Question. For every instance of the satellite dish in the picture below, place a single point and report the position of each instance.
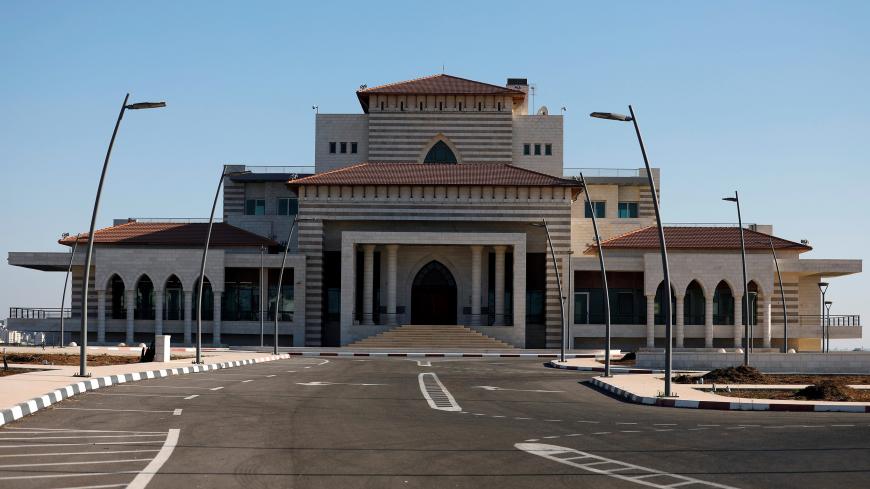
(543, 110)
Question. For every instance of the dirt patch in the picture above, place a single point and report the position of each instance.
(823, 391)
(750, 375)
(65, 359)
(13, 371)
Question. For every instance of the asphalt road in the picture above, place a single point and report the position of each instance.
(353, 423)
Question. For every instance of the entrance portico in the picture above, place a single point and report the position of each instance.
(424, 273)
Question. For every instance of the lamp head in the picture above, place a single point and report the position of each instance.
(64, 235)
(146, 105)
(730, 199)
(823, 286)
(611, 116)
(828, 303)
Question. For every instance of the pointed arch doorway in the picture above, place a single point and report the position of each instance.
(433, 295)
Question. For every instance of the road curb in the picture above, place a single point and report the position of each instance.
(434, 355)
(29, 407)
(725, 405)
(618, 370)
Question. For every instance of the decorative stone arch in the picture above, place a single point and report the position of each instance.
(759, 289)
(108, 283)
(411, 274)
(145, 307)
(704, 287)
(440, 137)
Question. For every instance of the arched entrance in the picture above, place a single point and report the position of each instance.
(433, 295)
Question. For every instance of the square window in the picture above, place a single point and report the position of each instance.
(353, 148)
(548, 149)
(537, 150)
(332, 147)
(527, 149)
(600, 208)
(627, 210)
(255, 207)
(288, 206)
(344, 148)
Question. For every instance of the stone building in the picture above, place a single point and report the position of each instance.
(426, 209)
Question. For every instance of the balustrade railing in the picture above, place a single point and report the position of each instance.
(39, 313)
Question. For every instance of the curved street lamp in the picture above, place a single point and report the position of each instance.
(746, 336)
(662, 247)
(83, 360)
(603, 278)
(543, 224)
(65, 281)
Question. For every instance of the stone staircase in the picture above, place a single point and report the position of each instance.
(414, 337)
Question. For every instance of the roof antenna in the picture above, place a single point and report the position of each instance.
(442, 68)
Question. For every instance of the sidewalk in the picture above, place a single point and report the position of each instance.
(21, 388)
(592, 364)
(647, 389)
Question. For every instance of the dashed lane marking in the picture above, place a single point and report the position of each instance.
(216, 388)
(270, 375)
(59, 454)
(612, 468)
(436, 394)
(114, 410)
(424, 363)
(192, 396)
(246, 381)
(176, 412)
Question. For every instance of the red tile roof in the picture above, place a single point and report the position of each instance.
(442, 85)
(698, 238)
(172, 234)
(486, 174)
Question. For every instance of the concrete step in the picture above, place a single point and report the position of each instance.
(425, 336)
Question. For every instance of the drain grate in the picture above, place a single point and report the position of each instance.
(436, 394)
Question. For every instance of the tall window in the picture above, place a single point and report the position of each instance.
(600, 208)
(382, 106)
(527, 149)
(440, 153)
(401, 105)
(332, 147)
(343, 148)
(460, 106)
(537, 150)
(440, 105)
(499, 106)
(353, 148)
(548, 149)
(421, 105)
(288, 206)
(627, 210)
(479, 106)
(255, 207)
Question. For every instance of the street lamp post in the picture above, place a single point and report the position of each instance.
(281, 278)
(782, 297)
(262, 319)
(662, 246)
(603, 278)
(199, 288)
(828, 305)
(823, 287)
(65, 281)
(544, 225)
(748, 339)
(83, 360)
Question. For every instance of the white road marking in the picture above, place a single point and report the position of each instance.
(143, 478)
(185, 387)
(424, 363)
(315, 383)
(78, 437)
(581, 421)
(87, 462)
(430, 385)
(711, 425)
(216, 388)
(102, 486)
(114, 410)
(83, 431)
(74, 474)
(131, 395)
(43, 445)
(664, 424)
(618, 422)
(587, 461)
(56, 454)
(841, 425)
(193, 396)
(553, 420)
(291, 371)
(601, 433)
(244, 381)
(266, 376)
(177, 412)
(494, 388)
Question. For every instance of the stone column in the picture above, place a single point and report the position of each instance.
(767, 321)
(368, 283)
(158, 312)
(681, 320)
(476, 261)
(392, 259)
(188, 310)
(131, 308)
(738, 321)
(101, 316)
(216, 321)
(499, 285)
(708, 321)
(651, 321)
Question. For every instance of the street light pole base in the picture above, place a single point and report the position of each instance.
(84, 376)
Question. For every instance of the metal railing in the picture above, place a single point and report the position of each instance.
(39, 313)
(832, 320)
(602, 172)
(746, 225)
(281, 169)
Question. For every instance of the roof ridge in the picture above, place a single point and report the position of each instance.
(384, 85)
(330, 172)
(437, 75)
(628, 233)
(529, 170)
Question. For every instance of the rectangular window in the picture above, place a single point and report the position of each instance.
(288, 206)
(581, 308)
(332, 147)
(255, 207)
(537, 150)
(527, 149)
(353, 148)
(548, 149)
(627, 210)
(344, 148)
(599, 210)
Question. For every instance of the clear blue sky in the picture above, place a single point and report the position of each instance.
(770, 98)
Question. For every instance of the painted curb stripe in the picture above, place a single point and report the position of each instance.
(726, 406)
(29, 407)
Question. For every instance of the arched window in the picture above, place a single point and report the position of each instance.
(440, 153)
(659, 310)
(144, 308)
(723, 304)
(173, 299)
(695, 304)
(207, 300)
(753, 304)
(116, 292)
